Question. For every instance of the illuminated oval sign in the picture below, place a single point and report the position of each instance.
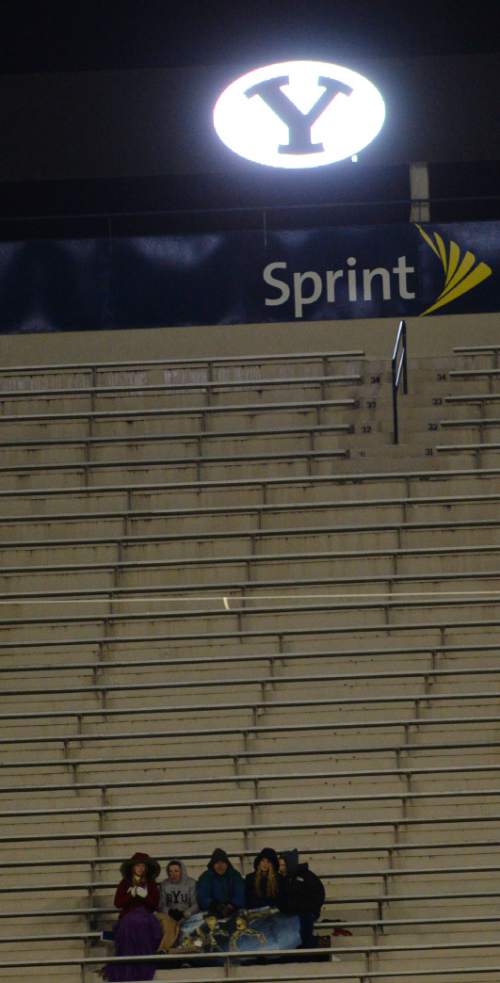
(299, 114)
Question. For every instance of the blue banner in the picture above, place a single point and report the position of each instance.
(249, 277)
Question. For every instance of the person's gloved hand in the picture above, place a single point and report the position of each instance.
(132, 890)
(142, 892)
(176, 914)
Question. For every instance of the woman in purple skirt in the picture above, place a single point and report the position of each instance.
(138, 932)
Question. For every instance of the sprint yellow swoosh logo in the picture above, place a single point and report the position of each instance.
(461, 273)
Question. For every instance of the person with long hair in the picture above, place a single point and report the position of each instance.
(138, 932)
(262, 886)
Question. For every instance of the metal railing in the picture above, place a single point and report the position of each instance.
(399, 370)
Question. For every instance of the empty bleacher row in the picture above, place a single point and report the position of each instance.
(231, 612)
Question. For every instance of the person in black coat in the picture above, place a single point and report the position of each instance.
(302, 894)
(263, 887)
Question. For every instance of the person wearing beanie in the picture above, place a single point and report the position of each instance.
(177, 902)
(302, 894)
(263, 887)
(221, 889)
(138, 931)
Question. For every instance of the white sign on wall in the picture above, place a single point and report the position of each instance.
(299, 114)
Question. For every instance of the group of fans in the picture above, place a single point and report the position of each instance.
(151, 915)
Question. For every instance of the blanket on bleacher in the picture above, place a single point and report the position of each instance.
(260, 929)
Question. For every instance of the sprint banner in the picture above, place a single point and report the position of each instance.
(250, 277)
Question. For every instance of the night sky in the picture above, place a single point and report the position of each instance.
(83, 35)
(42, 36)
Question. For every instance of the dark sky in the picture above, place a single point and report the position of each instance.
(86, 35)
(40, 36)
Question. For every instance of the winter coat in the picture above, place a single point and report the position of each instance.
(254, 900)
(126, 901)
(180, 895)
(262, 900)
(302, 889)
(220, 889)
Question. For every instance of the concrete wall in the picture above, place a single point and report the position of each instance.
(426, 337)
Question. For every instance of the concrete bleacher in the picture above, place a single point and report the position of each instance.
(234, 613)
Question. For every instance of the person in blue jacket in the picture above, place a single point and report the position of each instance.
(221, 889)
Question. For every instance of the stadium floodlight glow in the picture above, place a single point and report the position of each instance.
(299, 114)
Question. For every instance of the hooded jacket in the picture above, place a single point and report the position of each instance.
(220, 889)
(252, 898)
(302, 890)
(180, 895)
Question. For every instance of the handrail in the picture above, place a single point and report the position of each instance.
(459, 448)
(473, 398)
(475, 349)
(473, 373)
(398, 369)
(485, 421)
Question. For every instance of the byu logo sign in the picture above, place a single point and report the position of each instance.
(299, 114)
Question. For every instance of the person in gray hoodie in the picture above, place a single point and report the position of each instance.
(177, 902)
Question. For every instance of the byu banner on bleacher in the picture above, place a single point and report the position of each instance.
(249, 277)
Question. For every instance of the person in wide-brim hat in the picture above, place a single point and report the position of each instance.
(152, 866)
(138, 932)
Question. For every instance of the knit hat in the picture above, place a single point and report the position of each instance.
(267, 854)
(152, 866)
